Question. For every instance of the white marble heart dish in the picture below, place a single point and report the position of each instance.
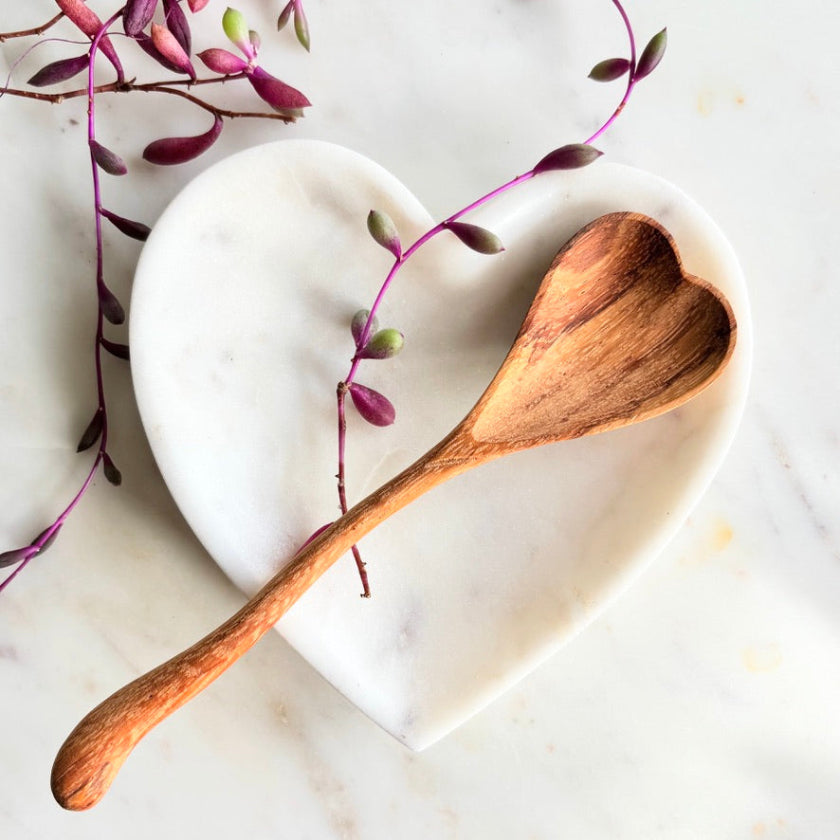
(239, 334)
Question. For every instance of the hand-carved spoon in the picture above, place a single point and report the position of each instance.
(617, 333)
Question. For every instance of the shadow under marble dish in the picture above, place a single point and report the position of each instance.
(239, 333)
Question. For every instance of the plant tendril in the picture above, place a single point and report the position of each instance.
(401, 258)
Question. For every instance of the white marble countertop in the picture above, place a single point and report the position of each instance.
(700, 705)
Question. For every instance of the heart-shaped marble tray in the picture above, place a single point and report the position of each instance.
(239, 333)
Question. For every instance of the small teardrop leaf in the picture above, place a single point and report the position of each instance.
(120, 351)
(476, 237)
(236, 27)
(169, 151)
(283, 19)
(113, 475)
(49, 540)
(92, 432)
(111, 307)
(651, 55)
(281, 97)
(301, 27)
(138, 15)
(107, 160)
(384, 344)
(169, 47)
(571, 156)
(382, 228)
(373, 406)
(609, 70)
(222, 61)
(60, 71)
(136, 230)
(357, 325)
(178, 24)
(16, 555)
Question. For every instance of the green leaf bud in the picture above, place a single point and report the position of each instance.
(478, 238)
(384, 231)
(384, 344)
(301, 27)
(236, 28)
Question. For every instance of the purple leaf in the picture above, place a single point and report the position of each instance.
(478, 238)
(17, 555)
(49, 540)
(138, 15)
(572, 156)
(373, 406)
(285, 14)
(178, 24)
(172, 150)
(88, 21)
(651, 55)
(280, 96)
(60, 71)
(121, 351)
(609, 70)
(110, 469)
(107, 160)
(167, 45)
(92, 432)
(111, 307)
(223, 61)
(136, 230)
(145, 43)
(357, 325)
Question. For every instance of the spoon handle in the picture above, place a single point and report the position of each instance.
(93, 753)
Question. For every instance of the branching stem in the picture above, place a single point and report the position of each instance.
(36, 30)
(172, 87)
(401, 260)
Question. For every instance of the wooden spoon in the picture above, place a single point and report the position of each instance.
(617, 333)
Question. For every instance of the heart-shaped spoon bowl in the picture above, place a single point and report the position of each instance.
(239, 333)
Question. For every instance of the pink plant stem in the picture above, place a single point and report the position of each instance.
(631, 75)
(100, 386)
(419, 243)
(100, 249)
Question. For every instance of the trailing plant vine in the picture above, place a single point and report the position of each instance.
(372, 343)
(161, 29)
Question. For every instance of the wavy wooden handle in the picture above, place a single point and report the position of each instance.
(93, 753)
(617, 333)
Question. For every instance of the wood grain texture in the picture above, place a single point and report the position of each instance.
(617, 333)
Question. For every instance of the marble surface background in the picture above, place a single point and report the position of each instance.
(701, 705)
